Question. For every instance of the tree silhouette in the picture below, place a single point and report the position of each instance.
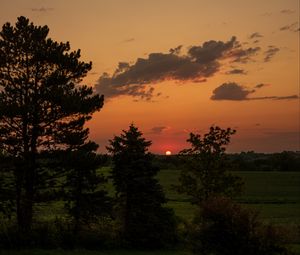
(206, 172)
(139, 196)
(85, 199)
(40, 102)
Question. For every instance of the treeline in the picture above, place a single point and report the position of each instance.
(244, 161)
(48, 165)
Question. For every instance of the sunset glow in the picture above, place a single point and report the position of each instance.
(173, 67)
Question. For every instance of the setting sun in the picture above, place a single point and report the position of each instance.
(168, 153)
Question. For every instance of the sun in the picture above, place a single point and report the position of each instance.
(168, 153)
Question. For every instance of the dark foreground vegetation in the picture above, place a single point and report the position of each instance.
(55, 192)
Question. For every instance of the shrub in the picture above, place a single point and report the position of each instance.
(223, 227)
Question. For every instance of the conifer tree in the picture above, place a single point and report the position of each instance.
(40, 101)
(145, 223)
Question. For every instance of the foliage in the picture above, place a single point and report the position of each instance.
(139, 196)
(86, 199)
(206, 172)
(251, 161)
(223, 227)
(41, 105)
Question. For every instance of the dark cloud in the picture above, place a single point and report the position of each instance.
(287, 11)
(275, 97)
(244, 56)
(261, 85)
(291, 27)
(270, 53)
(236, 71)
(235, 92)
(255, 35)
(198, 64)
(42, 9)
(158, 130)
(231, 91)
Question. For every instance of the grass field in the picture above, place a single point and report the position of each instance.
(275, 194)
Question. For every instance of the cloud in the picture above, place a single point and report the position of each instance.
(196, 65)
(42, 9)
(287, 11)
(128, 40)
(231, 91)
(275, 97)
(235, 92)
(261, 85)
(244, 56)
(255, 35)
(291, 27)
(270, 53)
(236, 71)
(158, 130)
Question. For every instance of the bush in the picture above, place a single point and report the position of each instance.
(223, 227)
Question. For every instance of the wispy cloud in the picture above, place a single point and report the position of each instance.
(236, 71)
(234, 92)
(270, 53)
(129, 40)
(255, 35)
(287, 11)
(42, 9)
(293, 27)
(196, 65)
(158, 129)
(261, 85)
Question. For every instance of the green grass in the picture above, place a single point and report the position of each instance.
(276, 195)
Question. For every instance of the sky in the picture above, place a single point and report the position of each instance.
(173, 67)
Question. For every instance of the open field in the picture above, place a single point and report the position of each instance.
(275, 194)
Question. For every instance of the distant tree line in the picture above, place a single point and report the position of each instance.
(48, 164)
(244, 161)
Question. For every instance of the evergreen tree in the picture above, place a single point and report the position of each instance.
(40, 102)
(85, 199)
(139, 196)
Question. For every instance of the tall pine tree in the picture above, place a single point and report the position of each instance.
(40, 101)
(145, 223)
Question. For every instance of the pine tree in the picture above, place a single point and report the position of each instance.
(40, 101)
(84, 193)
(139, 196)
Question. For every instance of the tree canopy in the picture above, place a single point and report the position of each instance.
(43, 107)
(206, 173)
(139, 196)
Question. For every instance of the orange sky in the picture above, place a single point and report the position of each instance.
(265, 54)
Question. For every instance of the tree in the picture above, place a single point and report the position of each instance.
(139, 196)
(206, 172)
(41, 102)
(85, 200)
